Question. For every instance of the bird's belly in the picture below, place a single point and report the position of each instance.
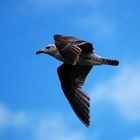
(85, 60)
(90, 60)
(82, 61)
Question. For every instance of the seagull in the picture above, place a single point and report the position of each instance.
(78, 57)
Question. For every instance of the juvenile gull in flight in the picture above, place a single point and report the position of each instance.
(79, 58)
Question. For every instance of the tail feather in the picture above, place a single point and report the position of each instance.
(100, 60)
(110, 62)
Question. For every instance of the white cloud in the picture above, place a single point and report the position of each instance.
(39, 125)
(11, 119)
(55, 128)
(123, 91)
(136, 138)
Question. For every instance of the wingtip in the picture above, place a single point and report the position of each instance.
(85, 122)
(87, 125)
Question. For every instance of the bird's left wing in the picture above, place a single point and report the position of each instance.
(72, 78)
(82, 44)
(69, 51)
(71, 47)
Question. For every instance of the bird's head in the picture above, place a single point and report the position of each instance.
(49, 49)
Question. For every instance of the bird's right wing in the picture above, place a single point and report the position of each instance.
(72, 78)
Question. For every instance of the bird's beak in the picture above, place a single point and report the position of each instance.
(39, 52)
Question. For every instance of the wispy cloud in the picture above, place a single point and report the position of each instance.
(55, 128)
(39, 125)
(123, 91)
(136, 138)
(12, 119)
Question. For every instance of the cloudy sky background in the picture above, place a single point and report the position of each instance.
(32, 104)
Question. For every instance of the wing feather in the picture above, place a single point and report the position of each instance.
(72, 78)
(71, 47)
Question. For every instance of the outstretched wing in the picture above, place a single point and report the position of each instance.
(70, 47)
(72, 78)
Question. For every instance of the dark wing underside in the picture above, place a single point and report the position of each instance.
(70, 47)
(72, 78)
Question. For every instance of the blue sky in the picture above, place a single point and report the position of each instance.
(32, 104)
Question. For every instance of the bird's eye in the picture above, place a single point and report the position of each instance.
(48, 47)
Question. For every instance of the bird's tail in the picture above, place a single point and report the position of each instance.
(101, 60)
(110, 62)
